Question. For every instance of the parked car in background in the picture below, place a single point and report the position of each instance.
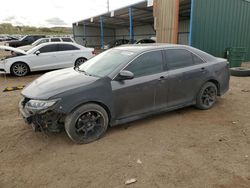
(7, 38)
(115, 43)
(46, 56)
(145, 41)
(28, 39)
(43, 40)
(123, 84)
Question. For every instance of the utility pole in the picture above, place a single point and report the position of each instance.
(108, 5)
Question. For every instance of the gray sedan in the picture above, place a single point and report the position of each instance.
(123, 84)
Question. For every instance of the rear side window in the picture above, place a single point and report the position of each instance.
(49, 48)
(146, 64)
(67, 40)
(179, 58)
(67, 47)
(55, 40)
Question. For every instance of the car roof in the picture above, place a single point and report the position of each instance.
(51, 43)
(139, 48)
(145, 47)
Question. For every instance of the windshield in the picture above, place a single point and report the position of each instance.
(39, 41)
(23, 38)
(106, 62)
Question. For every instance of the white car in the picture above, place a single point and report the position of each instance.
(46, 56)
(44, 40)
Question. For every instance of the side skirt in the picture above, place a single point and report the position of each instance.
(141, 116)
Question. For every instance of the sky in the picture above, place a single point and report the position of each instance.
(50, 13)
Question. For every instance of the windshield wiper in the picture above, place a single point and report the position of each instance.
(83, 71)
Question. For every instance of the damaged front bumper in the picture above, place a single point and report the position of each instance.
(44, 120)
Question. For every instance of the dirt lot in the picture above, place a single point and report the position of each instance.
(184, 148)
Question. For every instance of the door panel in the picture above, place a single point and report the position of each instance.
(43, 61)
(187, 73)
(144, 93)
(139, 95)
(184, 85)
(65, 59)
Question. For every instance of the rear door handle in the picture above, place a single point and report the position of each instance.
(162, 78)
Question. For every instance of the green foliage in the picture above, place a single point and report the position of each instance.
(6, 28)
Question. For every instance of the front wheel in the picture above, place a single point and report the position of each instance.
(19, 69)
(206, 96)
(87, 123)
(80, 61)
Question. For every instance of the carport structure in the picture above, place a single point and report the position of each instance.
(212, 26)
(126, 23)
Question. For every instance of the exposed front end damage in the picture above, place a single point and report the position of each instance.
(47, 120)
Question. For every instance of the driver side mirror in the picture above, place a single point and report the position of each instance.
(125, 75)
(37, 52)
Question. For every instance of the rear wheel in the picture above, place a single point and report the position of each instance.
(80, 61)
(87, 123)
(206, 96)
(19, 69)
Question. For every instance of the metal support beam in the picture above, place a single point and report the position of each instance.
(102, 33)
(131, 33)
(73, 30)
(84, 34)
(191, 23)
(84, 29)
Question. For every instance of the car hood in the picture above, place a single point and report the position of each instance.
(13, 41)
(56, 82)
(13, 49)
(26, 47)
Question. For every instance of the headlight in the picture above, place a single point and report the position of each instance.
(40, 105)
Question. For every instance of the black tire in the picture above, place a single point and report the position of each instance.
(240, 71)
(87, 123)
(19, 69)
(206, 97)
(80, 61)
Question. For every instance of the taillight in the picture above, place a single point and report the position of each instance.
(93, 52)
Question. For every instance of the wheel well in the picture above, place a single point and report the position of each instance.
(20, 62)
(80, 58)
(98, 103)
(217, 85)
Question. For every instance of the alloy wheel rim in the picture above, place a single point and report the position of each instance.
(20, 69)
(209, 96)
(90, 124)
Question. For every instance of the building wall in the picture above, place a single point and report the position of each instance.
(140, 32)
(92, 35)
(183, 32)
(219, 24)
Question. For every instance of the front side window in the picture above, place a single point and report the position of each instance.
(180, 58)
(49, 48)
(146, 64)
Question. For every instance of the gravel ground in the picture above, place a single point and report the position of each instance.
(183, 148)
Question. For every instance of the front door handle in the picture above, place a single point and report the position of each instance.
(202, 69)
